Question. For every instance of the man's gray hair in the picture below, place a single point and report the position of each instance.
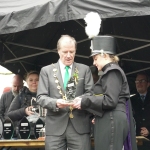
(62, 38)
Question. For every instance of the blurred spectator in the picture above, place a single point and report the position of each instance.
(21, 105)
(7, 97)
(141, 108)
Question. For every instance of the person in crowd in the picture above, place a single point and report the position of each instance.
(7, 97)
(21, 105)
(94, 71)
(111, 94)
(141, 107)
(65, 127)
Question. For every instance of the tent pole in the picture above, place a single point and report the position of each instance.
(25, 63)
(129, 38)
(79, 23)
(39, 48)
(28, 46)
(28, 56)
(138, 71)
(14, 55)
(134, 60)
(132, 50)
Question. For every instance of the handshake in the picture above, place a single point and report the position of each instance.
(76, 103)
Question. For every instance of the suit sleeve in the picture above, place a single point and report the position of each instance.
(15, 112)
(88, 82)
(43, 98)
(111, 86)
(2, 109)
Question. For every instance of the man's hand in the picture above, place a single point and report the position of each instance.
(144, 132)
(28, 111)
(62, 103)
(77, 103)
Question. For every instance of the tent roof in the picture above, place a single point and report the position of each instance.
(19, 15)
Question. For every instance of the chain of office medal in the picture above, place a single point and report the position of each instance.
(60, 89)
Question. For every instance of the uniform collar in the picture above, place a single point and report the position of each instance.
(108, 65)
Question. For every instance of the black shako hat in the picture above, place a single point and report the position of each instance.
(103, 44)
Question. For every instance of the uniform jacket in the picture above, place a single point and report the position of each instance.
(141, 112)
(5, 102)
(108, 97)
(17, 108)
(47, 95)
(111, 98)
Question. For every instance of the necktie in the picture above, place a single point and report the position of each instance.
(142, 98)
(66, 78)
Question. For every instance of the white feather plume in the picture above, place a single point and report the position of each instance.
(93, 22)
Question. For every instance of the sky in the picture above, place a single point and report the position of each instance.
(5, 78)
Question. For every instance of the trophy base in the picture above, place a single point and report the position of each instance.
(68, 101)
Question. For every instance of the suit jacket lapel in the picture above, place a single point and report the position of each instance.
(59, 76)
(73, 69)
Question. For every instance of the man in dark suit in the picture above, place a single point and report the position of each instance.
(141, 106)
(7, 97)
(65, 127)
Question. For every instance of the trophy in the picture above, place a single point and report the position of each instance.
(8, 129)
(42, 134)
(70, 90)
(24, 128)
(36, 127)
(70, 94)
(37, 109)
(36, 120)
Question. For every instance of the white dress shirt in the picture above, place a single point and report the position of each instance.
(63, 70)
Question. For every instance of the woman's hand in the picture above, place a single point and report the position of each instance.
(77, 103)
(29, 111)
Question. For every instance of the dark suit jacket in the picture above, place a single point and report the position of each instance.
(5, 102)
(141, 112)
(47, 95)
